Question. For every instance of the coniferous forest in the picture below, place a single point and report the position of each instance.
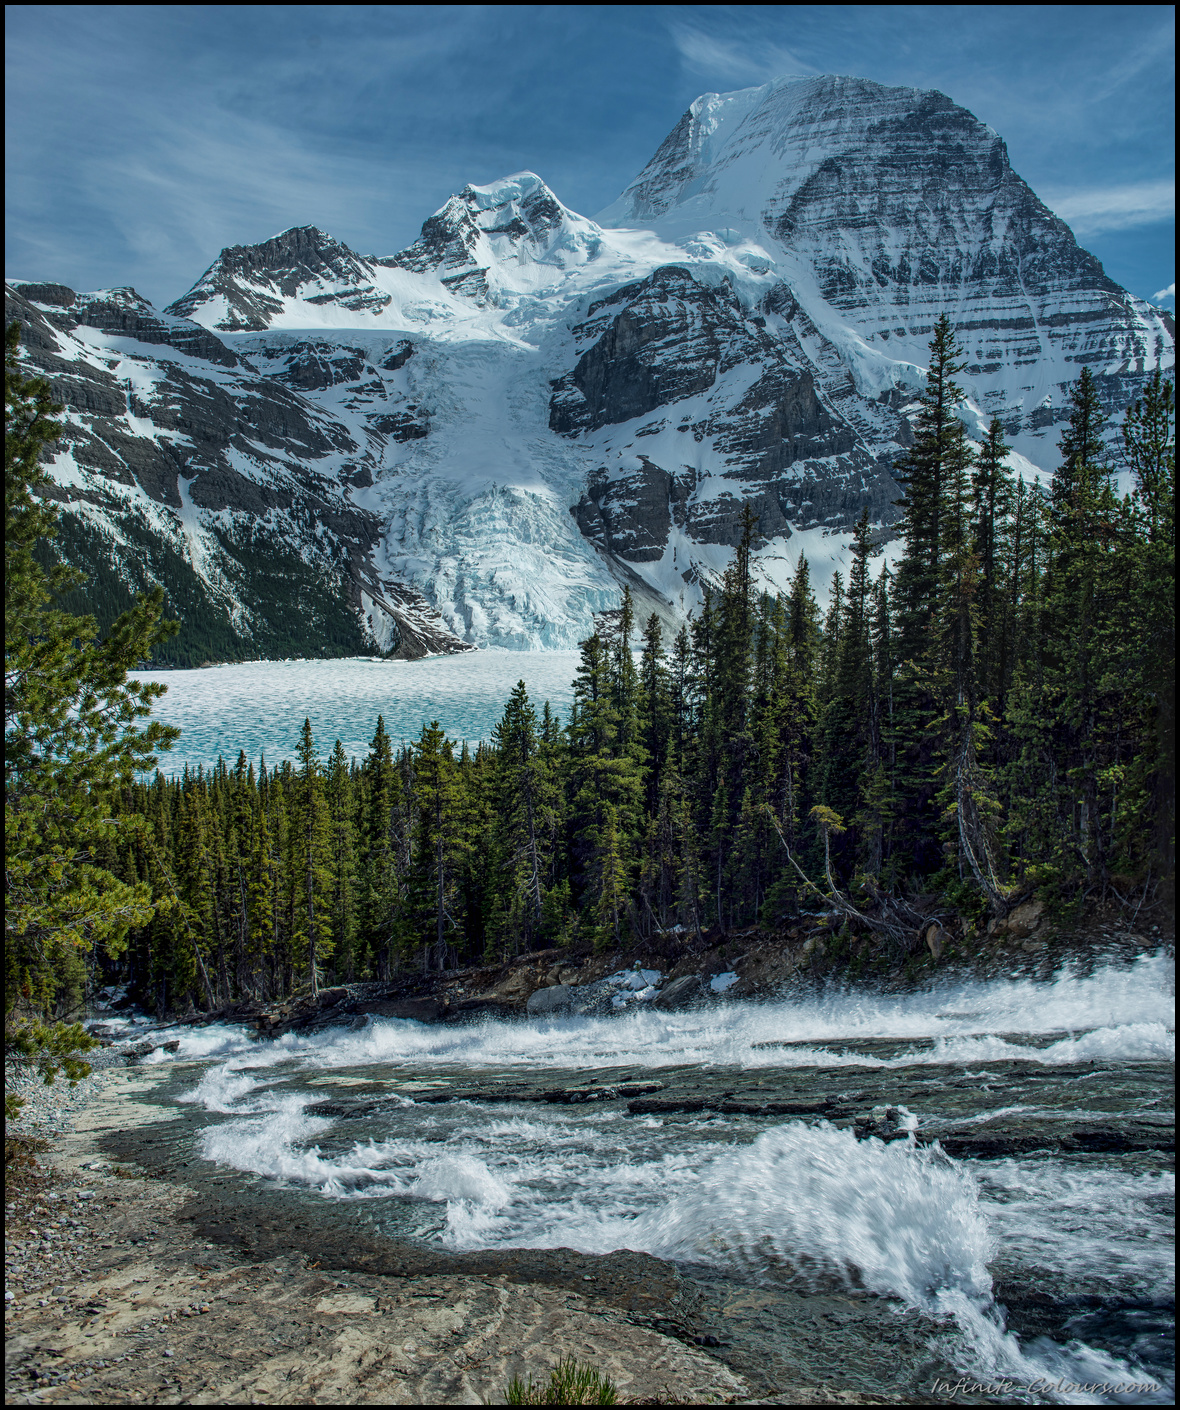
(990, 720)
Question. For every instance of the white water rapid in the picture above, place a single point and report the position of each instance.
(795, 1203)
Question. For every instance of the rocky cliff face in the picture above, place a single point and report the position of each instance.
(882, 208)
(179, 463)
(477, 439)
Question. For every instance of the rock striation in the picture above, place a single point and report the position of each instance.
(478, 439)
(180, 463)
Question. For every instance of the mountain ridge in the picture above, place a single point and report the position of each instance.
(525, 409)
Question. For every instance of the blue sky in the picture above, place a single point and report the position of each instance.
(141, 140)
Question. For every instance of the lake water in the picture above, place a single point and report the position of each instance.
(260, 706)
(1049, 1268)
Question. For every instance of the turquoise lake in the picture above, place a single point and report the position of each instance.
(260, 706)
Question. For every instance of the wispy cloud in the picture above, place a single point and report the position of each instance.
(171, 200)
(750, 59)
(1165, 296)
(1144, 54)
(1099, 209)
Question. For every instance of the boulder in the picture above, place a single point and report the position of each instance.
(1026, 918)
(1020, 923)
(550, 1000)
(680, 993)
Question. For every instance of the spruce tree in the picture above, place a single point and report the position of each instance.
(526, 815)
(923, 472)
(930, 633)
(992, 491)
(438, 843)
(1149, 450)
(378, 885)
(73, 726)
(342, 860)
(606, 792)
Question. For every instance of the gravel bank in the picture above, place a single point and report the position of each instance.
(113, 1297)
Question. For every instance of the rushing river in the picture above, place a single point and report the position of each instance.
(1050, 1266)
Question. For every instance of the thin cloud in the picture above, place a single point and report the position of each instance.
(731, 60)
(1154, 49)
(185, 191)
(1163, 295)
(1116, 207)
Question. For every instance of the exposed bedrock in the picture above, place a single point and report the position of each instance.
(791, 458)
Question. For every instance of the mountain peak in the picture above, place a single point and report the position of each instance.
(516, 220)
(735, 153)
(247, 286)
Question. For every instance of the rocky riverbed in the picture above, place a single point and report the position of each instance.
(829, 1195)
(129, 1283)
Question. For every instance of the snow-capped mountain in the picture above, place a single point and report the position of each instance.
(479, 439)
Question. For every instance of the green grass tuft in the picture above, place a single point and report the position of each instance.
(569, 1384)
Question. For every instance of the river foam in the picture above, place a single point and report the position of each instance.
(807, 1204)
(1115, 1013)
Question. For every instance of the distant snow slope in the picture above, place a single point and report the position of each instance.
(480, 438)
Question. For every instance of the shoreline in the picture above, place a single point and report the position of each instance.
(155, 1311)
(771, 965)
(156, 1275)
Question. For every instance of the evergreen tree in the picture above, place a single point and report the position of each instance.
(72, 728)
(438, 843)
(992, 489)
(342, 860)
(527, 799)
(378, 885)
(606, 790)
(1149, 448)
(923, 473)
(931, 634)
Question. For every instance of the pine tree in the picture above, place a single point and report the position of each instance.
(311, 876)
(72, 728)
(931, 633)
(656, 722)
(437, 844)
(923, 474)
(992, 491)
(1149, 449)
(847, 717)
(378, 866)
(526, 815)
(342, 860)
(606, 790)
(260, 894)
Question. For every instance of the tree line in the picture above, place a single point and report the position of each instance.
(993, 715)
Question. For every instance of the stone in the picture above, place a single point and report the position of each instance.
(688, 989)
(550, 1000)
(1025, 917)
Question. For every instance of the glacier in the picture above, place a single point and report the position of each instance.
(480, 439)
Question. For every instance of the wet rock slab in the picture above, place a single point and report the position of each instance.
(949, 1104)
(792, 1344)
